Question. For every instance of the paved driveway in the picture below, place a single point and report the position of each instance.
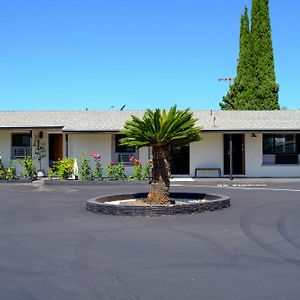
(51, 248)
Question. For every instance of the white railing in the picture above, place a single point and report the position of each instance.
(21, 152)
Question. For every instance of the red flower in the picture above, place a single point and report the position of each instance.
(131, 158)
(112, 163)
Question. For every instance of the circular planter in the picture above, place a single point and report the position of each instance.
(99, 205)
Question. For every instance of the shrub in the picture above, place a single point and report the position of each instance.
(2, 171)
(98, 172)
(63, 168)
(119, 171)
(85, 171)
(115, 171)
(11, 172)
(28, 167)
(110, 169)
(147, 170)
(137, 168)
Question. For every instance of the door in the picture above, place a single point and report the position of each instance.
(180, 160)
(55, 147)
(238, 154)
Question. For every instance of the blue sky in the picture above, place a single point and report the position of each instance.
(70, 54)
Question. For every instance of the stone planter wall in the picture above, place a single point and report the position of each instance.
(98, 205)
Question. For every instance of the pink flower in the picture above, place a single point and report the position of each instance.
(112, 163)
(137, 162)
(93, 153)
(131, 158)
(150, 161)
(98, 156)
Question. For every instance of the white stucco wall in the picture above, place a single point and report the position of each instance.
(5, 146)
(254, 161)
(208, 153)
(44, 141)
(144, 155)
(90, 142)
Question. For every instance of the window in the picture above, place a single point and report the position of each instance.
(123, 153)
(20, 145)
(284, 148)
(268, 144)
(279, 144)
(121, 148)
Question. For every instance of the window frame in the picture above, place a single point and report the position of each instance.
(24, 148)
(280, 156)
(274, 136)
(122, 149)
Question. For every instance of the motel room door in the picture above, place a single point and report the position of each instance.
(55, 147)
(180, 160)
(238, 154)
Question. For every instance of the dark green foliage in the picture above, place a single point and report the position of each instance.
(263, 58)
(158, 127)
(85, 171)
(241, 92)
(255, 86)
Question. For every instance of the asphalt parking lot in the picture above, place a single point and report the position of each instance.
(51, 248)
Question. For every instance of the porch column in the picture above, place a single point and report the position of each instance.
(30, 141)
(230, 157)
(67, 145)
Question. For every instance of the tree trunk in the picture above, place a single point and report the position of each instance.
(160, 186)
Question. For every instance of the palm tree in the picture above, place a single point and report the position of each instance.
(161, 130)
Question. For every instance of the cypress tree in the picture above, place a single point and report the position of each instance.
(266, 96)
(240, 92)
(254, 87)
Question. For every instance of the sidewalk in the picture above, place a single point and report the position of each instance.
(281, 183)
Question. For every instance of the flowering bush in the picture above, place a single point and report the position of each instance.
(115, 171)
(137, 168)
(63, 168)
(9, 173)
(147, 169)
(140, 173)
(98, 172)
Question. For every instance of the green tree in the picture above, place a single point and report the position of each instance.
(240, 92)
(255, 86)
(161, 130)
(266, 96)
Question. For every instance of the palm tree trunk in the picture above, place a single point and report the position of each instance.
(160, 186)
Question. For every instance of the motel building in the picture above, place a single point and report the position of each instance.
(250, 143)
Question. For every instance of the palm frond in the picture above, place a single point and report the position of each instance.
(172, 128)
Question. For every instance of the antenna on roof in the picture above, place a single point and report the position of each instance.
(122, 108)
(86, 108)
(112, 107)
